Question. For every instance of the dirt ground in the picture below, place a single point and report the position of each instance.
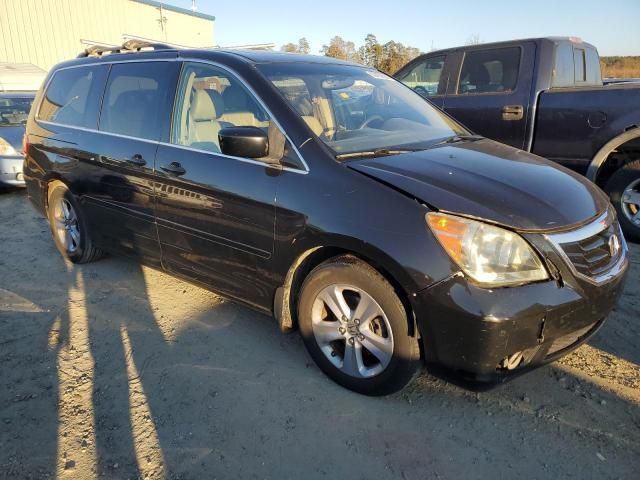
(117, 371)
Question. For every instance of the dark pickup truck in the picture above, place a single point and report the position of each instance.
(545, 96)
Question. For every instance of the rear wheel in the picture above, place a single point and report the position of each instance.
(624, 190)
(69, 227)
(355, 328)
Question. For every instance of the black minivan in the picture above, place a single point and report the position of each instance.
(331, 196)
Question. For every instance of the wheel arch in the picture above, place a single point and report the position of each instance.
(47, 184)
(599, 162)
(287, 294)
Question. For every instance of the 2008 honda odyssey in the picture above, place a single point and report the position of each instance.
(332, 196)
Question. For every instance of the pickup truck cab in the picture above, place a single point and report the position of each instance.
(545, 96)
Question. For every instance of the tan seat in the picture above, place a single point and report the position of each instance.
(240, 109)
(314, 124)
(203, 121)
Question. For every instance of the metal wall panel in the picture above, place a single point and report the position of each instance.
(45, 32)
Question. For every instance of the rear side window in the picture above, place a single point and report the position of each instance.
(137, 99)
(424, 77)
(490, 71)
(579, 59)
(73, 96)
(576, 66)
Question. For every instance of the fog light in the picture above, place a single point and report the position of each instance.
(20, 177)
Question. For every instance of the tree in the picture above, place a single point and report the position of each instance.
(395, 55)
(339, 48)
(473, 39)
(303, 46)
(371, 52)
(289, 47)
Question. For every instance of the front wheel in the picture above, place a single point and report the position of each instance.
(624, 190)
(355, 328)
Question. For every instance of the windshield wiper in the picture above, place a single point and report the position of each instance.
(380, 152)
(457, 139)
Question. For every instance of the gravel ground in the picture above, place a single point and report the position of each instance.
(118, 371)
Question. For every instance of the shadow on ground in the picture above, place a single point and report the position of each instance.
(119, 371)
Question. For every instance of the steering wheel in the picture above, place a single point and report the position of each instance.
(423, 92)
(369, 120)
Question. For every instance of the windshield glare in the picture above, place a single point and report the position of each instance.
(356, 109)
(14, 110)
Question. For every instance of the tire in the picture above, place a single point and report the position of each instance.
(340, 344)
(69, 227)
(622, 184)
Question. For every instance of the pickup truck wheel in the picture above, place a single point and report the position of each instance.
(624, 190)
(355, 328)
(69, 226)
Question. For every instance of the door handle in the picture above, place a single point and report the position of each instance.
(137, 159)
(512, 112)
(174, 168)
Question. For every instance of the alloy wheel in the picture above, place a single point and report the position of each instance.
(66, 225)
(352, 330)
(631, 202)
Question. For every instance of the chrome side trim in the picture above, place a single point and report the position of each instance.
(184, 147)
(601, 223)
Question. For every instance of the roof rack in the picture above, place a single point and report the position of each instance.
(132, 45)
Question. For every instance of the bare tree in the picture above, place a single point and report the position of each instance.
(473, 39)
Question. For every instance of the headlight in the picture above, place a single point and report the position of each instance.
(6, 148)
(492, 256)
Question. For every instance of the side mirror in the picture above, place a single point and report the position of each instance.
(247, 142)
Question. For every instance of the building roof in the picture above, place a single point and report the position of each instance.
(184, 11)
(20, 77)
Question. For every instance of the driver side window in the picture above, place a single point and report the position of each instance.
(210, 99)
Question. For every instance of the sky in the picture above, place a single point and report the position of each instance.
(612, 26)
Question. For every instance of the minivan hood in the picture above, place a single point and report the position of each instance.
(491, 181)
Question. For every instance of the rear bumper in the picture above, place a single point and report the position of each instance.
(471, 330)
(11, 171)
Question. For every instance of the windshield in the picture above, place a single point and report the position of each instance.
(355, 109)
(14, 110)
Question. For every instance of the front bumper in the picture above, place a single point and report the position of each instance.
(11, 171)
(471, 330)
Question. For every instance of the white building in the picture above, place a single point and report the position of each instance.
(45, 32)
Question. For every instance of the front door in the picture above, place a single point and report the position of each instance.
(492, 92)
(216, 213)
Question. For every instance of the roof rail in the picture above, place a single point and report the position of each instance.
(132, 45)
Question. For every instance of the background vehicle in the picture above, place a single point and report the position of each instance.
(544, 96)
(331, 195)
(18, 85)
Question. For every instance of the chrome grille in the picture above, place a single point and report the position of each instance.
(595, 251)
(595, 255)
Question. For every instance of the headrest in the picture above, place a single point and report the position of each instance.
(235, 99)
(303, 106)
(202, 108)
(479, 75)
(218, 102)
(378, 96)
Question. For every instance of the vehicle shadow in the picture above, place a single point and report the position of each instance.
(620, 333)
